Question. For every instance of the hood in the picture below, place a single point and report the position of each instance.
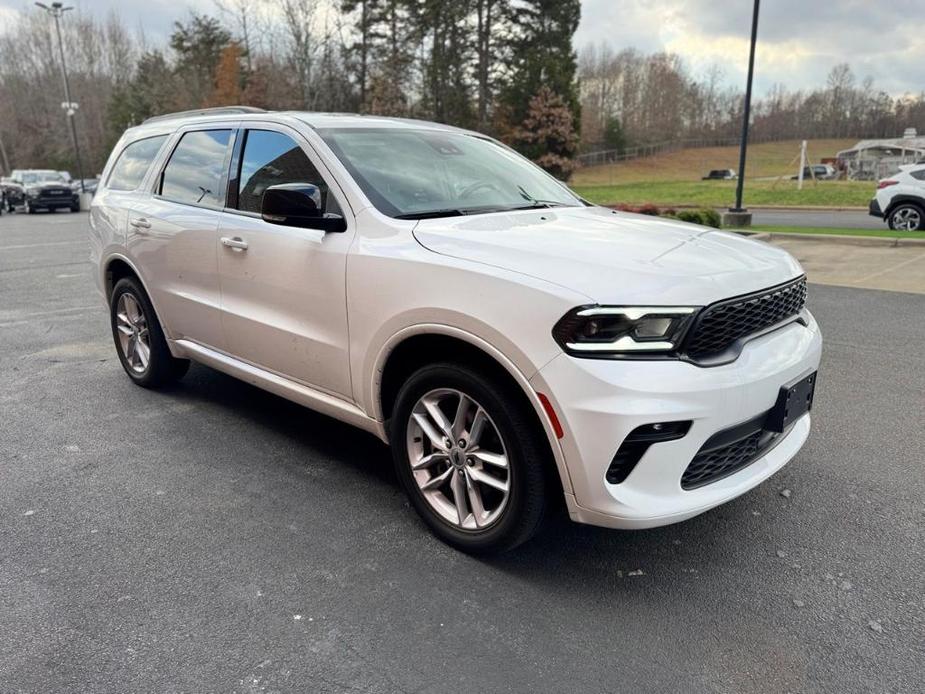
(614, 257)
(46, 185)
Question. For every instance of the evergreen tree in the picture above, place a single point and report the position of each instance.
(360, 53)
(614, 137)
(149, 93)
(542, 57)
(447, 84)
(381, 57)
(198, 46)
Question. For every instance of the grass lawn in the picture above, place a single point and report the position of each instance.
(722, 193)
(879, 233)
(767, 159)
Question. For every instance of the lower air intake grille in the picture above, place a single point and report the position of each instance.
(728, 452)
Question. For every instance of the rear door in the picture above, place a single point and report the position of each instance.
(173, 234)
(121, 191)
(283, 288)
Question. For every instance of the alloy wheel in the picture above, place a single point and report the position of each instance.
(907, 219)
(134, 338)
(458, 459)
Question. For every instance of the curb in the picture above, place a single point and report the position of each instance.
(834, 238)
(758, 208)
(805, 208)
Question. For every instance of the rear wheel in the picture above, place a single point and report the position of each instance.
(139, 340)
(907, 217)
(469, 458)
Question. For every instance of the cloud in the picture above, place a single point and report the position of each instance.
(799, 41)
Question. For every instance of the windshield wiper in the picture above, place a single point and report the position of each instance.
(431, 214)
(537, 205)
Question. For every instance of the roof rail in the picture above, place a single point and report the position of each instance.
(216, 111)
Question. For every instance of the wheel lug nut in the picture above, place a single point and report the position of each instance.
(462, 443)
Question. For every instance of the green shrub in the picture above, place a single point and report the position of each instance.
(692, 216)
(711, 218)
(704, 217)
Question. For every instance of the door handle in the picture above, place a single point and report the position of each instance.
(236, 243)
(140, 223)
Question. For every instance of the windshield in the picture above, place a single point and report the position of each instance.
(40, 176)
(412, 174)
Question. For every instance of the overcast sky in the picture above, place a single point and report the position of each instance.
(799, 40)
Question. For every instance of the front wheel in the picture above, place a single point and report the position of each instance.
(906, 217)
(139, 339)
(470, 458)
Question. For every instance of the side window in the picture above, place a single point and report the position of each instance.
(196, 168)
(270, 158)
(920, 174)
(133, 163)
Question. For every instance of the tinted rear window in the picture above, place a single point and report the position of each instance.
(196, 168)
(133, 163)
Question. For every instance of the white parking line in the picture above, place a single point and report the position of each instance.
(889, 269)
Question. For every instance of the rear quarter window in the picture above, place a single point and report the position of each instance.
(132, 165)
(919, 175)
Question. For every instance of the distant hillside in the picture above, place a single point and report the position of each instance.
(768, 159)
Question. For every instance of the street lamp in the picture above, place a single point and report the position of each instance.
(739, 215)
(57, 10)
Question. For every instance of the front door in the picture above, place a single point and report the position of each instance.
(282, 288)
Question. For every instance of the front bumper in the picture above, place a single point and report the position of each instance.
(599, 402)
(53, 201)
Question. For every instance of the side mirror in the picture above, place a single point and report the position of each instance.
(299, 205)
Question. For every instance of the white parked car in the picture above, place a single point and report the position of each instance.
(900, 199)
(820, 172)
(513, 343)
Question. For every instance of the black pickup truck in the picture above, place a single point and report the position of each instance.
(39, 189)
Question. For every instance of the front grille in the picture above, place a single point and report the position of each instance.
(720, 326)
(55, 193)
(728, 452)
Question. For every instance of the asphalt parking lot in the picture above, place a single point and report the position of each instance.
(216, 538)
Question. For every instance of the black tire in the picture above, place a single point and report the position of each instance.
(75, 208)
(907, 207)
(162, 368)
(526, 448)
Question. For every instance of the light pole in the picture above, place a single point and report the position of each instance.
(739, 215)
(56, 10)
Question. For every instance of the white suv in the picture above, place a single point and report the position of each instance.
(512, 342)
(900, 199)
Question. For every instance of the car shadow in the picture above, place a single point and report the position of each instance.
(597, 557)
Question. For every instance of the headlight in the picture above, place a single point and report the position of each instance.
(33, 191)
(619, 330)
